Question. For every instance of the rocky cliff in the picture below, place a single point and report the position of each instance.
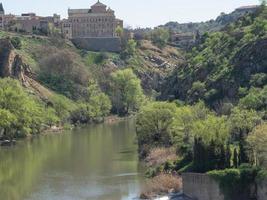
(12, 65)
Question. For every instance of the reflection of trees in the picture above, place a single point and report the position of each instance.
(21, 165)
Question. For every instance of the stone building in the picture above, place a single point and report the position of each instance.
(2, 13)
(28, 22)
(96, 22)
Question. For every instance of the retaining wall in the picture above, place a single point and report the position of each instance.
(262, 190)
(201, 187)
(98, 44)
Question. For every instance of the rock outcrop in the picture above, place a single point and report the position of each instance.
(12, 65)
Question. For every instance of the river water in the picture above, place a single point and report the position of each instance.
(99, 162)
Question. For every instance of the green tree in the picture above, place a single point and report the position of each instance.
(24, 110)
(154, 124)
(127, 94)
(242, 121)
(160, 37)
(257, 141)
(235, 159)
(131, 47)
(7, 121)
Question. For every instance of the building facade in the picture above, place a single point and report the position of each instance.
(2, 13)
(96, 22)
(28, 22)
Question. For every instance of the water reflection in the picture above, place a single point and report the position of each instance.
(98, 162)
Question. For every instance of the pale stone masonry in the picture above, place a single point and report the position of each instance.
(96, 22)
(28, 22)
(201, 187)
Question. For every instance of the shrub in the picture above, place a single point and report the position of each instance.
(161, 184)
(16, 42)
(236, 183)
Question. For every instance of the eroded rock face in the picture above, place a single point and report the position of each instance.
(11, 64)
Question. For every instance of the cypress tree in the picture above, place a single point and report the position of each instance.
(243, 157)
(236, 158)
(228, 156)
(222, 160)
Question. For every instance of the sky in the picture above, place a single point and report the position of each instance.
(135, 13)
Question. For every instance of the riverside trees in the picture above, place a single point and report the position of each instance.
(203, 140)
(126, 91)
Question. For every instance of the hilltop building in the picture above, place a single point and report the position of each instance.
(28, 22)
(98, 21)
(93, 29)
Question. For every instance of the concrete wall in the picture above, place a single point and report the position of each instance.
(262, 190)
(201, 187)
(98, 44)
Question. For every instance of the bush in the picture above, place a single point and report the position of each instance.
(154, 124)
(161, 184)
(236, 183)
(20, 114)
(127, 93)
(160, 37)
(16, 42)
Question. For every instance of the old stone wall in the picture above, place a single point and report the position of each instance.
(262, 190)
(201, 187)
(98, 44)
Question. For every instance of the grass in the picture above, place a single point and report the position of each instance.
(161, 184)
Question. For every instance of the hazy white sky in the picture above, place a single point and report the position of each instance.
(136, 13)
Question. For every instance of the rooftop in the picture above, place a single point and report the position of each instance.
(99, 4)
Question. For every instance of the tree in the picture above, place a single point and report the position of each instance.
(20, 113)
(7, 120)
(160, 37)
(154, 124)
(228, 156)
(63, 72)
(259, 27)
(257, 141)
(127, 94)
(243, 151)
(98, 103)
(119, 31)
(235, 159)
(242, 121)
(212, 128)
(131, 47)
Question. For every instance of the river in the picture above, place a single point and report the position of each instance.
(98, 162)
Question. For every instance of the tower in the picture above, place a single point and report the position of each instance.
(2, 13)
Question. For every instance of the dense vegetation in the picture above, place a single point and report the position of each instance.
(225, 66)
(215, 117)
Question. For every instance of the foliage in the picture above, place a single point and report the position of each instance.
(16, 42)
(127, 94)
(242, 121)
(257, 141)
(20, 113)
(221, 63)
(154, 124)
(198, 135)
(62, 106)
(95, 106)
(236, 183)
(62, 72)
(160, 37)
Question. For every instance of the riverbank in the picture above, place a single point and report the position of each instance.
(112, 119)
